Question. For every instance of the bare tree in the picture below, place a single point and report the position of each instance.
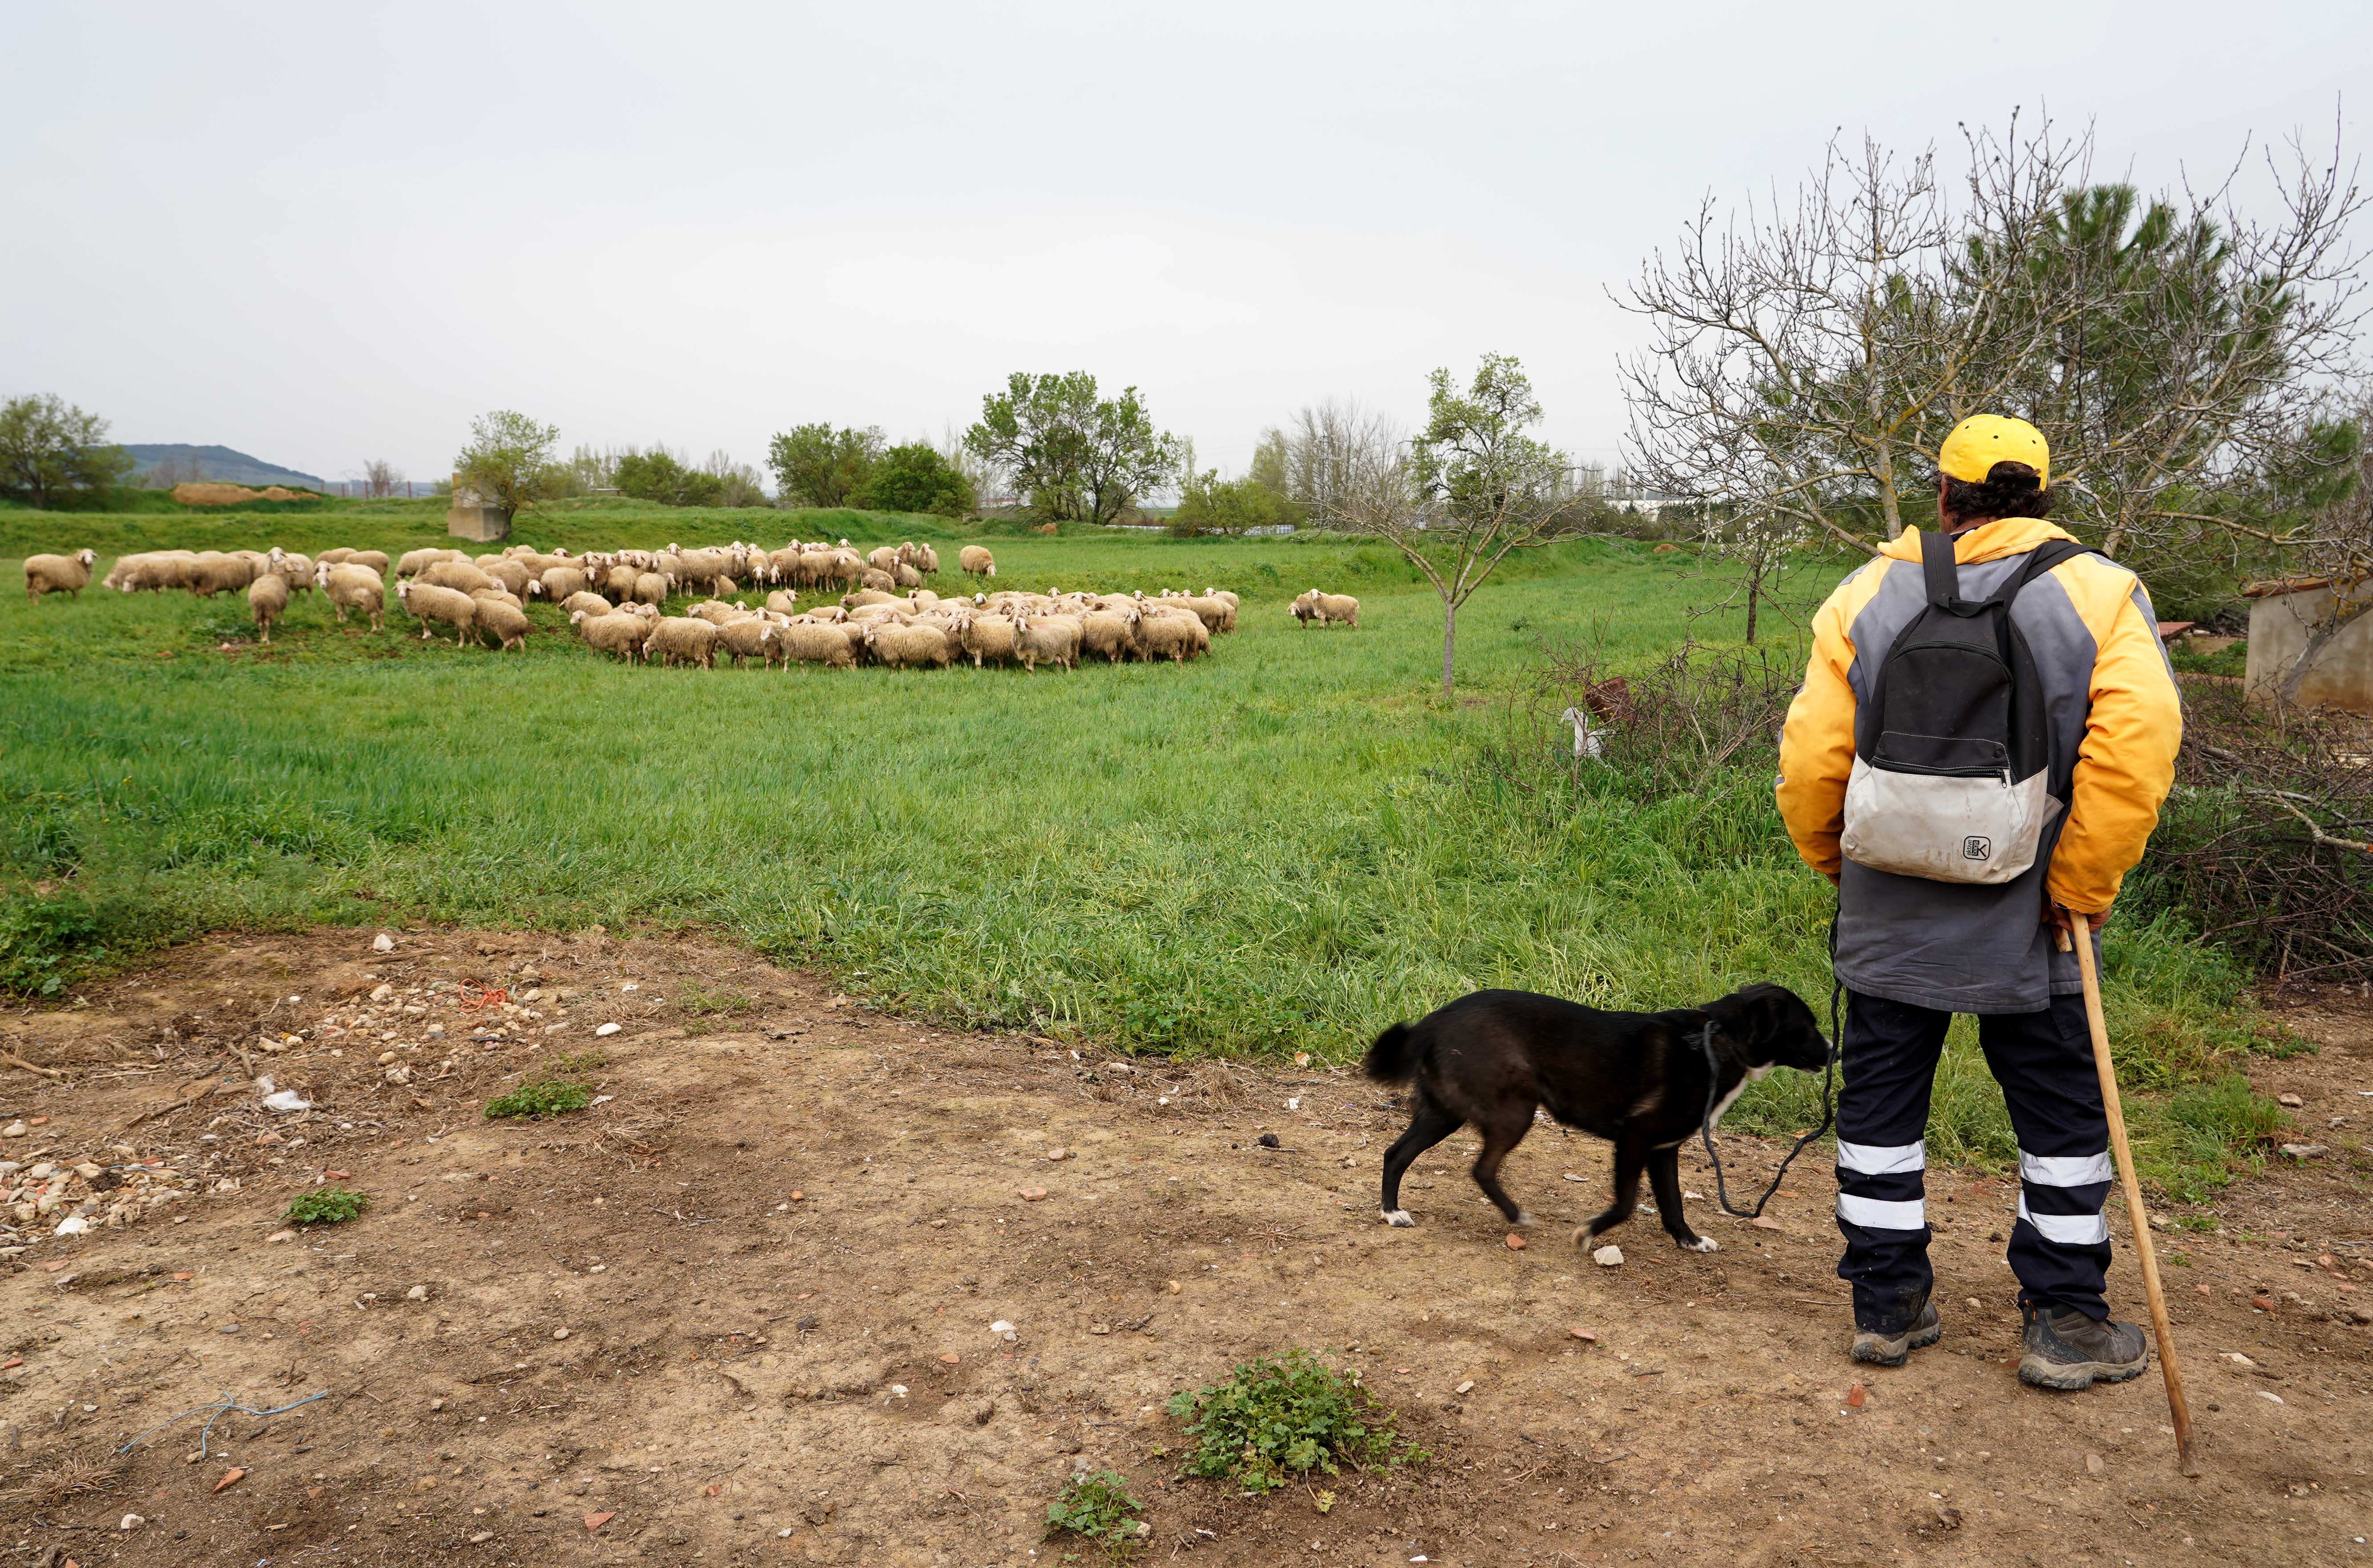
(1332, 451)
(1803, 365)
(1800, 361)
(1468, 490)
(380, 478)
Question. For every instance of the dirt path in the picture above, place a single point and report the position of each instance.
(739, 1311)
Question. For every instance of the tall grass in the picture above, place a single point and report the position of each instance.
(1282, 847)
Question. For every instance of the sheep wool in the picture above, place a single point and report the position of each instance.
(504, 620)
(682, 639)
(267, 601)
(429, 601)
(621, 634)
(68, 575)
(976, 561)
(348, 586)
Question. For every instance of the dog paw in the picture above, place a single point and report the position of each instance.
(1398, 1217)
(1703, 1243)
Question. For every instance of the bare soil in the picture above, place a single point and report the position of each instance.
(776, 1245)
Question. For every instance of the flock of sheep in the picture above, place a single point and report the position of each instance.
(615, 603)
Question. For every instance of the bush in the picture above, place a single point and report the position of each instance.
(915, 478)
(1209, 504)
(2255, 850)
(548, 1097)
(1287, 1415)
(327, 1206)
(1099, 1508)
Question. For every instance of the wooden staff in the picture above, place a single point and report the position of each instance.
(2178, 1412)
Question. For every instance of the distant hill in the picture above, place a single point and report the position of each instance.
(182, 461)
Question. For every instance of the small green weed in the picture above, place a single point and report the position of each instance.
(693, 998)
(328, 1206)
(1288, 1415)
(547, 1096)
(2232, 662)
(1099, 1508)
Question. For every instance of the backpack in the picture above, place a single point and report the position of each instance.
(1952, 752)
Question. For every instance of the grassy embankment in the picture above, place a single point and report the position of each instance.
(1283, 846)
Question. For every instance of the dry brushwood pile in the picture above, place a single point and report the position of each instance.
(804, 1281)
(2267, 843)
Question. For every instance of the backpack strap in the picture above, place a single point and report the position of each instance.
(1939, 570)
(2042, 560)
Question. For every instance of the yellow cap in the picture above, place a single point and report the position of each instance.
(1982, 440)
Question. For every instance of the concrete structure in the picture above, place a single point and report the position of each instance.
(2283, 618)
(472, 517)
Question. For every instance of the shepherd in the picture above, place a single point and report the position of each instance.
(1986, 731)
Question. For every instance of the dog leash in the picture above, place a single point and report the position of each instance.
(1828, 1100)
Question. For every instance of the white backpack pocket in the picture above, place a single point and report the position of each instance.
(1945, 828)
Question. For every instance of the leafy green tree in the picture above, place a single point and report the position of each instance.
(916, 478)
(1272, 465)
(658, 475)
(1074, 457)
(816, 465)
(1473, 488)
(508, 461)
(1209, 504)
(50, 450)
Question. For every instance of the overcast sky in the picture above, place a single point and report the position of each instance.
(327, 233)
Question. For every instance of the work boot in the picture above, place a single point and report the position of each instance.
(1894, 1349)
(2067, 1349)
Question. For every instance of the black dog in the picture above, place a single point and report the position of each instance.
(1636, 1079)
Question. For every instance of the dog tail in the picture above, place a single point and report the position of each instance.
(1392, 1058)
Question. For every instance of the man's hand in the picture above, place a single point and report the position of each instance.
(2056, 916)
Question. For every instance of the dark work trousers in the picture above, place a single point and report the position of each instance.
(2060, 1244)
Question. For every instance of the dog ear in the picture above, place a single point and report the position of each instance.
(1749, 1017)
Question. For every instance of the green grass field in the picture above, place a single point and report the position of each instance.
(1280, 848)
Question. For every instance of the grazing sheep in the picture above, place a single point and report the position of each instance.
(928, 558)
(988, 638)
(416, 561)
(1051, 639)
(212, 572)
(590, 603)
(337, 557)
(810, 642)
(504, 619)
(375, 559)
(68, 575)
(884, 560)
(513, 574)
(429, 601)
(680, 638)
(903, 647)
(293, 569)
(877, 580)
(351, 587)
(149, 571)
(905, 575)
(267, 601)
(1337, 608)
(618, 582)
(750, 637)
(557, 583)
(497, 596)
(459, 576)
(716, 612)
(650, 588)
(783, 601)
(976, 561)
(621, 634)
(1217, 615)
(1112, 633)
(1174, 638)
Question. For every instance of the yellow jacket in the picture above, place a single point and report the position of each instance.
(2125, 762)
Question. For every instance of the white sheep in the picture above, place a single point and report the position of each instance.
(427, 602)
(504, 619)
(621, 634)
(351, 587)
(680, 638)
(68, 575)
(1049, 640)
(267, 601)
(976, 561)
